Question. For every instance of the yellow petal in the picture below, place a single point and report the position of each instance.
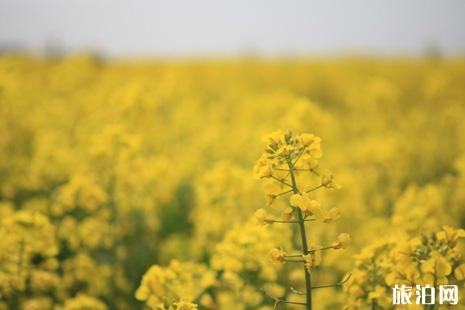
(296, 200)
(459, 272)
(443, 267)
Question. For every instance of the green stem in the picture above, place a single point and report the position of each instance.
(303, 235)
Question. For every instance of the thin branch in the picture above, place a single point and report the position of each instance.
(315, 172)
(294, 260)
(299, 169)
(293, 255)
(329, 247)
(333, 285)
(314, 188)
(297, 292)
(283, 193)
(278, 301)
(281, 181)
(291, 222)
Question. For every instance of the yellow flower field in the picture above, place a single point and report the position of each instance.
(229, 184)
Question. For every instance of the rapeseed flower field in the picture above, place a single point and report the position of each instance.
(230, 184)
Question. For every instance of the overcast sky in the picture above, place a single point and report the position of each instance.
(269, 27)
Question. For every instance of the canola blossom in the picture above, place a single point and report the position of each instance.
(136, 184)
(286, 167)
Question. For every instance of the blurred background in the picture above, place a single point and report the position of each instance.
(208, 27)
(126, 175)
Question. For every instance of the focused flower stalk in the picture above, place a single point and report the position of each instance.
(288, 168)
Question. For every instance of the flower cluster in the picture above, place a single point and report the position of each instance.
(242, 258)
(226, 192)
(28, 257)
(107, 168)
(287, 167)
(434, 259)
(175, 287)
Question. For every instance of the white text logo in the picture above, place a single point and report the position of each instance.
(425, 295)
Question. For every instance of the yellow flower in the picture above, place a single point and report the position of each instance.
(296, 200)
(332, 215)
(276, 137)
(273, 187)
(175, 285)
(459, 272)
(343, 240)
(315, 148)
(262, 168)
(262, 216)
(287, 214)
(437, 265)
(277, 255)
(310, 161)
(450, 234)
(443, 267)
(274, 289)
(308, 206)
(327, 180)
(284, 150)
(82, 301)
(379, 292)
(306, 139)
(183, 305)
